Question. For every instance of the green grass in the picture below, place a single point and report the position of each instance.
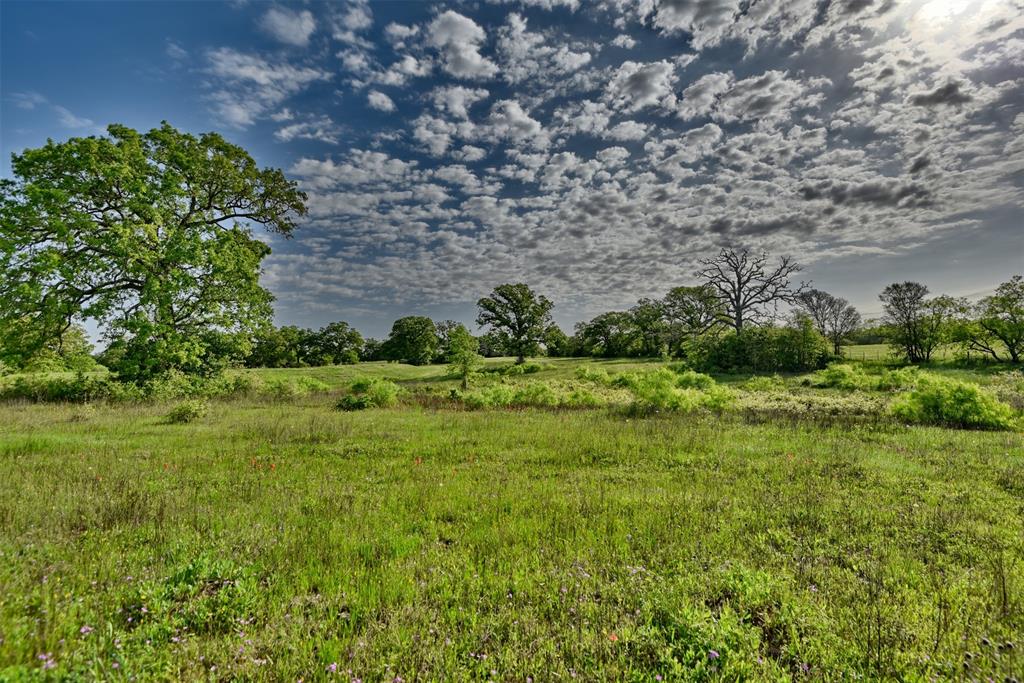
(276, 539)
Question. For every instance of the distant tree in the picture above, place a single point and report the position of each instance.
(690, 313)
(648, 321)
(413, 340)
(916, 325)
(443, 329)
(833, 317)
(372, 350)
(557, 342)
(275, 347)
(492, 345)
(998, 325)
(748, 286)
(145, 233)
(339, 342)
(518, 316)
(463, 358)
(611, 334)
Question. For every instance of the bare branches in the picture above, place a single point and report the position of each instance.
(747, 285)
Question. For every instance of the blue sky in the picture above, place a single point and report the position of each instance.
(594, 150)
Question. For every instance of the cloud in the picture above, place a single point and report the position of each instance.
(175, 51)
(701, 96)
(527, 55)
(356, 18)
(456, 100)
(321, 128)
(379, 101)
(27, 100)
(69, 120)
(636, 86)
(288, 26)
(249, 86)
(946, 94)
(624, 41)
(508, 121)
(706, 20)
(459, 39)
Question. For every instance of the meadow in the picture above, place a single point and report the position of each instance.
(803, 532)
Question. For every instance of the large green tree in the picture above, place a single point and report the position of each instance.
(413, 340)
(518, 316)
(149, 235)
(998, 325)
(917, 325)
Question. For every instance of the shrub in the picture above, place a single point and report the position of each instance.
(188, 411)
(369, 392)
(662, 390)
(581, 398)
(941, 401)
(522, 369)
(842, 376)
(688, 379)
(592, 374)
(765, 383)
(765, 349)
(899, 379)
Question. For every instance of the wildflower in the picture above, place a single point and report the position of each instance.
(612, 637)
(85, 630)
(805, 667)
(713, 654)
(332, 667)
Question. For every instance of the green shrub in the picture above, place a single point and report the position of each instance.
(369, 392)
(765, 383)
(899, 379)
(688, 379)
(581, 398)
(664, 390)
(522, 369)
(188, 411)
(592, 374)
(941, 401)
(842, 376)
(58, 388)
(765, 349)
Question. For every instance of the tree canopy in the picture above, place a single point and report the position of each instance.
(145, 233)
(518, 316)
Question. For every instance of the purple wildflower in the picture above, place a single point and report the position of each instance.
(713, 654)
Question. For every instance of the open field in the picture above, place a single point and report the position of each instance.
(280, 538)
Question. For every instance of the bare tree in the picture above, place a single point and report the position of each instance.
(748, 286)
(833, 316)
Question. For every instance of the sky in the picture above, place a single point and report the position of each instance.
(594, 150)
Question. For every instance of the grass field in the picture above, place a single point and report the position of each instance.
(282, 539)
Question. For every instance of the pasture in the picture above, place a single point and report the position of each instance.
(279, 538)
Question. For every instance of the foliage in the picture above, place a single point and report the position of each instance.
(765, 383)
(833, 317)
(916, 325)
(663, 390)
(690, 314)
(462, 357)
(998, 327)
(518, 316)
(370, 392)
(146, 234)
(295, 347)
(413, 340)
(767, 349)
(941, 401)
(188, 411)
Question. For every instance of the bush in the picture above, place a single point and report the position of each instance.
(522, 369)
(369, 392)
(188, 411)
(592, 374)
(900, 379)
(941, 401)
(664, 390)
(842, 376)
(766, 349)
(765, 383)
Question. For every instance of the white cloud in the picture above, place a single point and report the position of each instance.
(70, 120)
(379, 101)
(624, 41)
(27, 100)
(509, 121)
(459, 40)
(175, 51)
(288, 26)
(456, 100)
(321, 128)
(700, 97)
(251, 86)
(636, 85)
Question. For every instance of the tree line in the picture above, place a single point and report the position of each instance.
(150, 236)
